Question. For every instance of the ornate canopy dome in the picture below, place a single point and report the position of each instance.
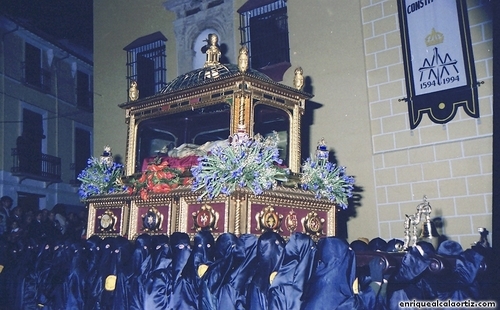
(213, 70)
(209, 74)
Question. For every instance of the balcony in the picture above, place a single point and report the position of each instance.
(40, 167)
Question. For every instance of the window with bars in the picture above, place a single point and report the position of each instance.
(146, 64)
(264, 30)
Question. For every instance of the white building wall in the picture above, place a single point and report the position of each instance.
(451, 164)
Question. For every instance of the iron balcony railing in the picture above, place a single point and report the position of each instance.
(36, 166)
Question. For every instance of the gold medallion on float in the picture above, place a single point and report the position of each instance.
(205, 218)
(268, 219)
(151, 220)
(107, 221)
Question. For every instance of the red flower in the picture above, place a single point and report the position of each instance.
(161, 175)
(144, 194)
(142, 178)
(158, 178)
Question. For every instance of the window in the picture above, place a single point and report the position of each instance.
(83, 93)
(264, 30)
(34, 74)
(146, 64)
(183, 130)
(268, 120)
(30, 144)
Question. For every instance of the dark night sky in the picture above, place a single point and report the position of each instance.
(63, 19)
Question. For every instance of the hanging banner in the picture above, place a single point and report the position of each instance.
(438, 60)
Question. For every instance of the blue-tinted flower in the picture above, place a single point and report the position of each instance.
(250, 164)
(225, 190)
(237, 173)
(99, 178)
(327, 180)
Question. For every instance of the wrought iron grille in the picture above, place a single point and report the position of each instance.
(146, 64)
(264, 30)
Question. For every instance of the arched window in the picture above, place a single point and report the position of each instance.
(199, 43)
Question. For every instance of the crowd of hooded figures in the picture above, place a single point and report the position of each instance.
(227, 272)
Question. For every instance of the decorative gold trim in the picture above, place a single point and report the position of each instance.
(107, 221)
(179, 199)
(133, 91)
(131, 144)
(134, 210)
(290, 197)
(182, 216)
(152, 220)
(268, 219)
(205, 218)
(312, 225)
(291, 221)
(242, 91)
(91, 220)
(125, 218)
(298, 79)
(240, 114)
(295, 156)
(227, 90)
(140, 208)
(108, 203)
(243, 59)
(187, 198)
(332, 221)
(213, 52)
(237, 215)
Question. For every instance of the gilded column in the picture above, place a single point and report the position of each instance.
(241, 112)
(131, 143)
(237, 216)
(295, 140)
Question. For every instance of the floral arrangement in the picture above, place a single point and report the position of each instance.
(326, 179)
(243, 162)
(101, 176)
(159, 177)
